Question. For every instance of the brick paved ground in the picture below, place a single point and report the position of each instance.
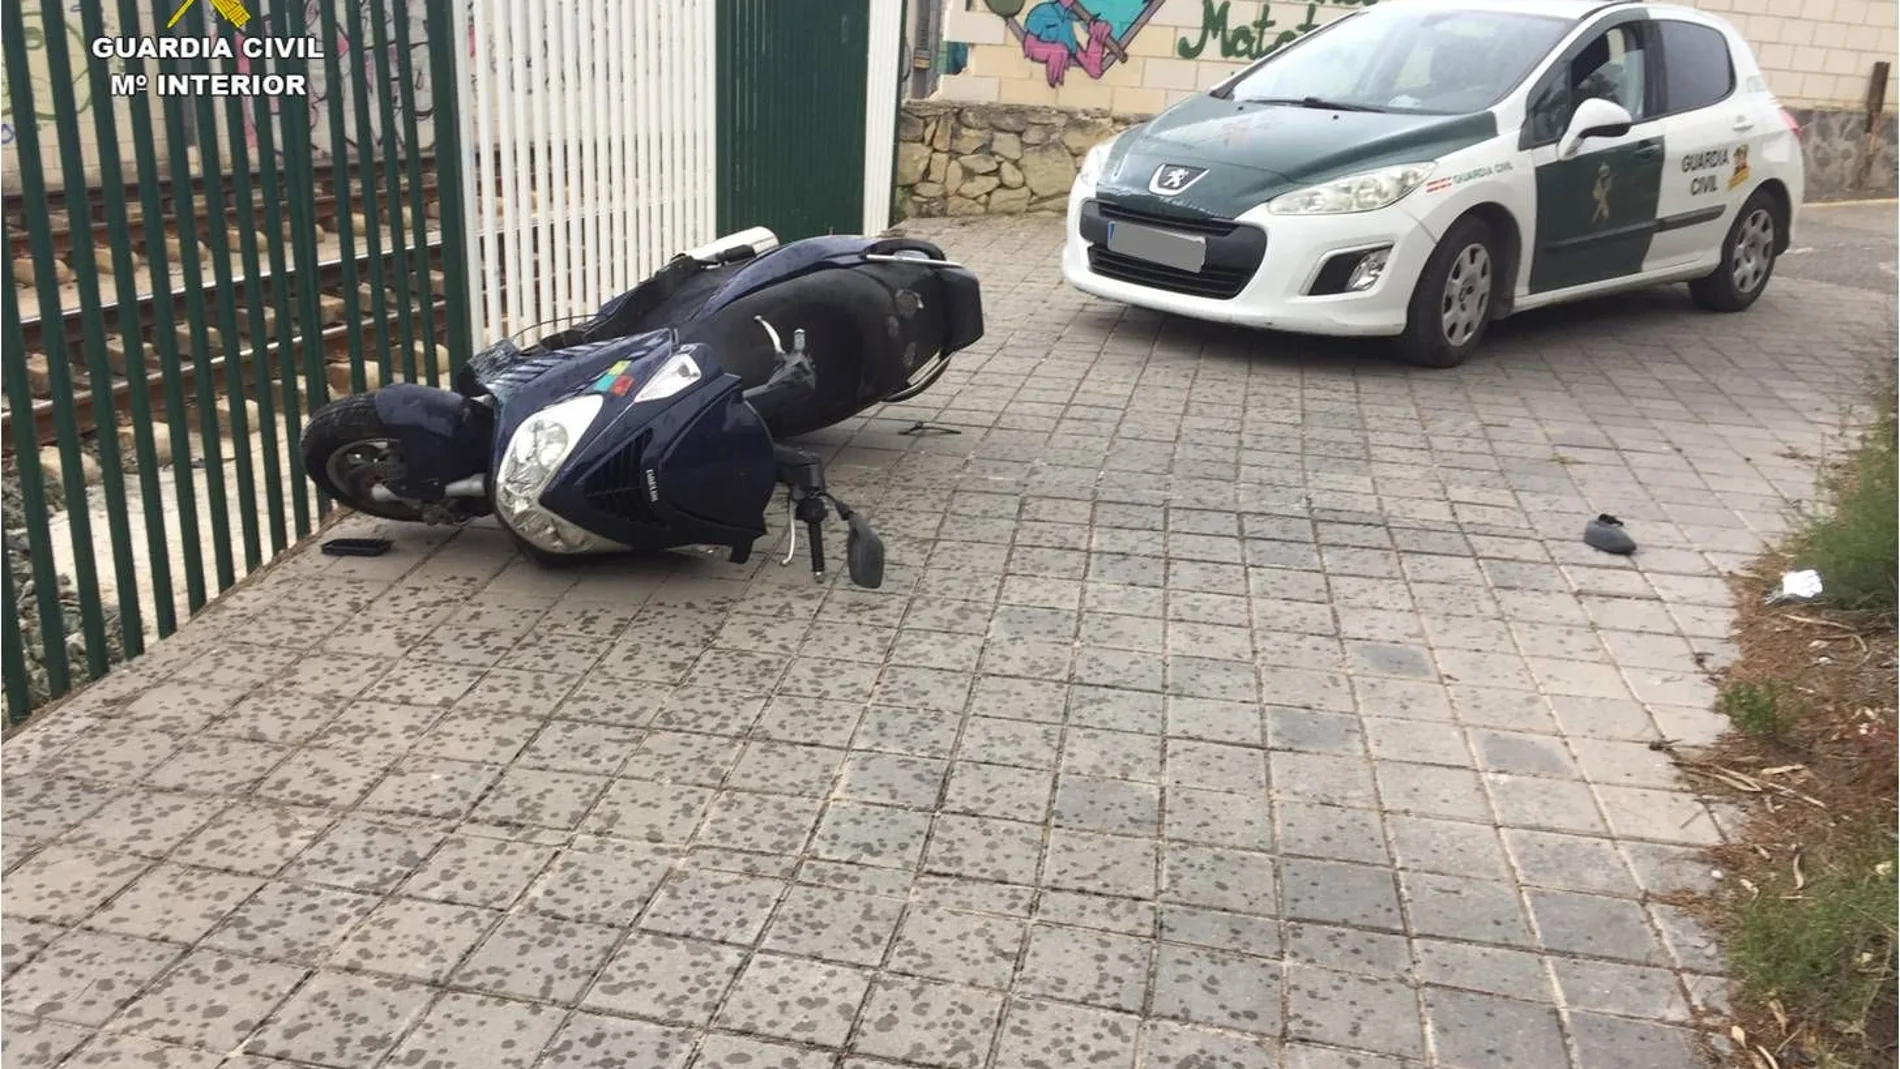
(1234, 700)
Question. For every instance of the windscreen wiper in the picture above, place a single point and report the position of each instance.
(1312, 102)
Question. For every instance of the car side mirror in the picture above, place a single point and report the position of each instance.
(1594, 117)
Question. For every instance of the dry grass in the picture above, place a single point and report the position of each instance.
(1808, 912)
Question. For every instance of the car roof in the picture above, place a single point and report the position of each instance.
(1573, 10)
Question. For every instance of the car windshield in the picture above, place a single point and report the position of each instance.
(1405, 57)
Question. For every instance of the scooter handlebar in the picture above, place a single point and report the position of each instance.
(815, 532)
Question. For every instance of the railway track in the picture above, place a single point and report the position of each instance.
(257, 357)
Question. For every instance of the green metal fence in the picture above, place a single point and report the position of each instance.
(192, 274)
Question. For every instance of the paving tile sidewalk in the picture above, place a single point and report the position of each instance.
(1233, 700)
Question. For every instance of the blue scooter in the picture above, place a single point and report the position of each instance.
(657, 423)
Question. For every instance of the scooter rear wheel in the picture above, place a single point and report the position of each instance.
(347, 450)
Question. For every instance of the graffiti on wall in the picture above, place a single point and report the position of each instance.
(38, 76)
(1060, 34)
(1249, 41)
(362, 68)
(1094, 34)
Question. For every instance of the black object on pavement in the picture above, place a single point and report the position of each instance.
(356, 547)
(1606, 533)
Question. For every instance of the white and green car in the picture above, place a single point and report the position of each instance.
(1422, 167)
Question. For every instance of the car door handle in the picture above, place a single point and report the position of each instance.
(1743, 124)
(1648, 152)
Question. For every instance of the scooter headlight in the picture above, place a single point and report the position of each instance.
(543, 441)
(535, 454)
(679, 372)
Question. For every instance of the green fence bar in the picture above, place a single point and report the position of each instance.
(339, 171)
(284, 362)
(418, 209)
(26, 453)
(13, 653)
(204, 384)
(132, 338)
(392, 174)
(252, 294)
(448, 186)
(298, 167)
(164, 330)
(236, 415)
(105, 423)
(366, 169)
(59, 371)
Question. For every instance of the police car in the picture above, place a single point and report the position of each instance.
(1420, 168)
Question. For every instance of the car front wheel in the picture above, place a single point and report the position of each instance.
(1451, 307)
(1748, 259)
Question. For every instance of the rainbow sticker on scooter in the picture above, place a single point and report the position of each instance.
(616, 380)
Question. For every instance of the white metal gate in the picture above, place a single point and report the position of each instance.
(885, 69)
(589, 149)
(589, 145)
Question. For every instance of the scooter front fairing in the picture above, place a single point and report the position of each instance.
(632, 443)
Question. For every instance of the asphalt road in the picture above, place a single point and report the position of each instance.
(1846, 244)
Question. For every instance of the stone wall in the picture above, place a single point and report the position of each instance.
(980, 159)
(977, 159)
(1837, 149)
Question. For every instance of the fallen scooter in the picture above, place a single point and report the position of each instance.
(656, 424)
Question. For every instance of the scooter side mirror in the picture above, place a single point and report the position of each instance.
(864, 554)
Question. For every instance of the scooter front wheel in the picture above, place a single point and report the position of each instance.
(347, 451)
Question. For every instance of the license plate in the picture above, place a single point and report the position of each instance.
(1183, 252)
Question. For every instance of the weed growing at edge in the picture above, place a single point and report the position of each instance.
(1827, 951)
(1853, 538)
(1764, 710)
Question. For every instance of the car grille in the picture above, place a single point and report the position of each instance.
(1234, 251)
(1220, 283)
(615, 486)
(1211, 227)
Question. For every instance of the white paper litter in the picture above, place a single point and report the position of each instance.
(1804, 585)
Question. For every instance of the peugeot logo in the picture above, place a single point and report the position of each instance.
(1172, 178)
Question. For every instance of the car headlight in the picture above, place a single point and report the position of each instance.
(535, 454)
(1354, 193)
(1094, 160)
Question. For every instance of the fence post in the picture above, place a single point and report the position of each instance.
(339, 173)
(406, 98)
(449, 178)
(299, 168)
(1876, 105)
